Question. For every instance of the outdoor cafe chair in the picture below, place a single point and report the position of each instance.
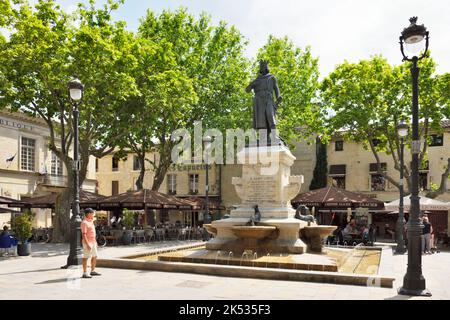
(149, 235)
(139, 236)
(160, 234)
(183, 234)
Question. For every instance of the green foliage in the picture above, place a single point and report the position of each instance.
(297, 73)
(211, 57)
(21, 225)
(434, 187)
(45, 49)
(368, 99)
(128, 218)
(187, 70)
(321, 169)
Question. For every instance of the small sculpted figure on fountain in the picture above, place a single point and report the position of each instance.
(255, 218)
(302, 213)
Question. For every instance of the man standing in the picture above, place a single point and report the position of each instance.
(89, 243)
(265, 107)
(426, 236)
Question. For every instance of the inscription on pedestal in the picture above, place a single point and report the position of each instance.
(261, 190)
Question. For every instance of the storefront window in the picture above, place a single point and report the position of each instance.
(339, 182)
(378, 183)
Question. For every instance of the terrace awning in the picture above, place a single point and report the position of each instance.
(6, 200)
(425, 204)
(144, 199)
(198, 203)
(87, 199)
(334, 198)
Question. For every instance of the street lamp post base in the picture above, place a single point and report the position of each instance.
(73, 261)
(412, 292)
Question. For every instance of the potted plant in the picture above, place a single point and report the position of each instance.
(21, 225)
(128, 223)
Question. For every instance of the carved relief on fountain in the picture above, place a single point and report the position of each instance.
(270, 186)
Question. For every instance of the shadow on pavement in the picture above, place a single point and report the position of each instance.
(30, 271)
(52, 281)
(399, 297)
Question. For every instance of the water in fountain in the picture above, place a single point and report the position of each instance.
(279, 263)
(267, 261)
(360, 246)
(351, 252)
(230, 255)
(217, 255)
(244, 254)
(255, 257)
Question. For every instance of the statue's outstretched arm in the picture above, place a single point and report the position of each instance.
(249, 87)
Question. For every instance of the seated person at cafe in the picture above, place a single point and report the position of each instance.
(365, 232)
(5, 231)
(350, 228)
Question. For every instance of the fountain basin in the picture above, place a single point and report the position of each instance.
(315, 234)
(210, 229)
(253, 232)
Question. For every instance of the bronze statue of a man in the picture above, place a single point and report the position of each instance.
(264, 105)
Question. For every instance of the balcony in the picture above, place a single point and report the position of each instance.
(51, 180)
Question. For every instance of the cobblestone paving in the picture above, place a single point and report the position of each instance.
(40, 277)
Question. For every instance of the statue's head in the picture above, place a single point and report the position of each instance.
(304, 210)
(263, 67)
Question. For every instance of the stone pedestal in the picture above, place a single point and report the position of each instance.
(267, 182)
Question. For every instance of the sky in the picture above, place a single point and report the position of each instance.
(336, 30)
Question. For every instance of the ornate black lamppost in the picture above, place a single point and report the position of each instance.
(76, 93)
(402, 130)
(414, 282)
(207, 218)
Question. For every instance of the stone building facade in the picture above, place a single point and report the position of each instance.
(27, 167)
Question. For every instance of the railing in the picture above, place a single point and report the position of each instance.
(54, 180)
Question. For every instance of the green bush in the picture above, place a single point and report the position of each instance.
(21, 225)
(128, 218)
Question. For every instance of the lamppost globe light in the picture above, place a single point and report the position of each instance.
(412, 39)
(402, 129)
(76, 89)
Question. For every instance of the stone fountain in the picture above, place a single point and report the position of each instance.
(267, 182)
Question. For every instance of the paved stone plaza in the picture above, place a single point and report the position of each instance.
(40, 277)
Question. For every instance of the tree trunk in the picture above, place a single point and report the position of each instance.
(140, 179)
(161, 169)
(61, 227)
(443, 187)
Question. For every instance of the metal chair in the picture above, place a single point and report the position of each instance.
(161, 234)
(149, 235)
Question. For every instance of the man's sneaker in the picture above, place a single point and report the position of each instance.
(95, 273)
(86, 276)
